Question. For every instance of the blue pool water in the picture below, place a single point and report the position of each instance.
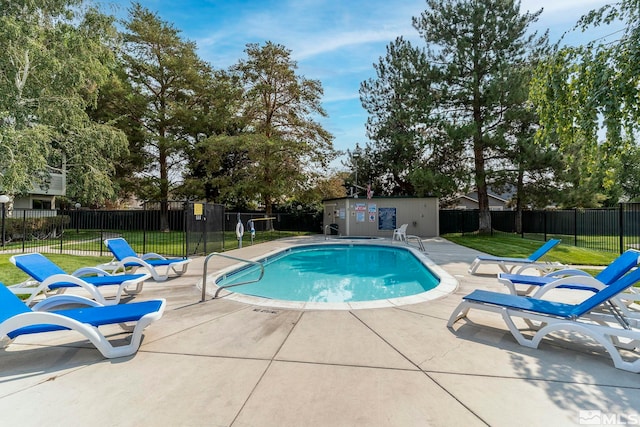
(337, 273)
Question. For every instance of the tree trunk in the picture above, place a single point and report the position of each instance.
(484, 217)
(268, 208)
(164, 191)
(519, 189)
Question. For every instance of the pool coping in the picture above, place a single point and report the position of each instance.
(448, 284)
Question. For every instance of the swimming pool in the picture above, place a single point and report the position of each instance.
(338, 275)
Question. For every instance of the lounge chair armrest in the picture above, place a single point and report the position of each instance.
(543, 267)
(152, 255)
(67, 278)
(567, 272)
(90, 271)
(28, 286)
(586, 281)
(64, 299)
(112, 267)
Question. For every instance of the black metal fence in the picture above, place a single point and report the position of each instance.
(607, 229)
(169, 228)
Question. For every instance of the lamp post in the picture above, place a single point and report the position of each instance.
(77, 205)
(355, 156)
(4, 199)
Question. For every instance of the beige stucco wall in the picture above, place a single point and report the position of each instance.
(360, 217)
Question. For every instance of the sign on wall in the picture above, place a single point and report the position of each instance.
(387, 219)
(372, 208)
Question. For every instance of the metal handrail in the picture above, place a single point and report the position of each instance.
(328, 227)
(204, 274)
(420, 244)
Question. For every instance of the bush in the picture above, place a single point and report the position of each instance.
(35, 228)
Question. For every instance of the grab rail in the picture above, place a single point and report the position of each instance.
(420, 244)
(328, 227)
(204, 274)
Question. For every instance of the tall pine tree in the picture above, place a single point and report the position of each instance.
(457, 89)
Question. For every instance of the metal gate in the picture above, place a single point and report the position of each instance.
(204, 225)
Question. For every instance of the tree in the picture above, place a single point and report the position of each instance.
(527, 167)
(629, 173)
(206, 177)
(393, 101)
(170, 98)
(56, 57)
(457, 89)
(584, 92)
(280, 144)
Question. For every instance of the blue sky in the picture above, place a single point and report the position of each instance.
(334, 41)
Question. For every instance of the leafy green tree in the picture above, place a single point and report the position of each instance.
(582, 93)
(448, 101)
(170, 99)
(115, 105)
(280, 145)
(394, 102)
(629, 173)
(526, 167)
(205, 176)
(56, 57)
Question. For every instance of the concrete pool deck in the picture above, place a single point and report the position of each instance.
(226, 363)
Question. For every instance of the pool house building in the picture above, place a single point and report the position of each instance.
(379, 216)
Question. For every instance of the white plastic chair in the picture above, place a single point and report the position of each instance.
(400, 234)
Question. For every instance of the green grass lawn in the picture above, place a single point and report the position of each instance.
(169, 243)
(506, 245)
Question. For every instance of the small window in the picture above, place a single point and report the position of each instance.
(41, 204)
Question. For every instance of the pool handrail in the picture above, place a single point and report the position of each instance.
(204, 274)
(330, 227)
(419, 240)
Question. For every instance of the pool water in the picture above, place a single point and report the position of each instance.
(337, 273)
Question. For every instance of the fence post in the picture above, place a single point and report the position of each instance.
(24, 229)
(575, 227)
(101, 232)
(62, 231)
(144, 228)
(621, 226)
(205, 224)
(185, 212)
(544, 224)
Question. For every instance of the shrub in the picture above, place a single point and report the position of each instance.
(35, 228)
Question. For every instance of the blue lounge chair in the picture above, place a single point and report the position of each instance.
(571, 278)
(532, 261)
(50, 278)
(16, 319)
(611, 329)
(126, 258)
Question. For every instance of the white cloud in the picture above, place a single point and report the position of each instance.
(346, 39)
